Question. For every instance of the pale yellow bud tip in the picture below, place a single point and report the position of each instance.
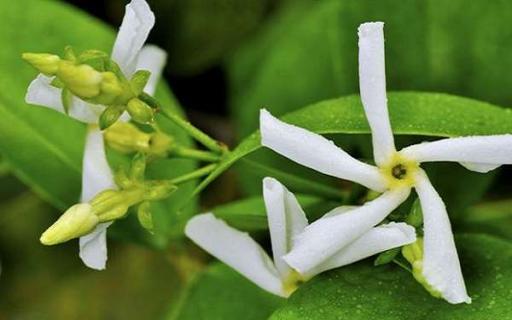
(75, 222)
(83, 80)
(45, 63)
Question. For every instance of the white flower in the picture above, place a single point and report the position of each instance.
(395, 174)
(286, 220)
(130, 54)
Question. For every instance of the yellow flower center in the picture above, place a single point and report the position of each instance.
(399, 171)
(292, 282)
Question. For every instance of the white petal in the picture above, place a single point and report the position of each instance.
(372, 85)
(93, 247)
(480, 167)
(378, 239)
(286, 220)
(327, 236)
(488, 150)
(441, 267)
(152, 59)
(40, 92)
(316, 152)
(236, 249)
(137, 23)
(96, 173)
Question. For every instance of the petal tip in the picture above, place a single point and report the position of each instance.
(369, 29)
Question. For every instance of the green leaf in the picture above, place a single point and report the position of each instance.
(250, 214)
(411, 113)
(493, 218)
(219, 293)
(44, 148)
(361, 291)
(309, 53)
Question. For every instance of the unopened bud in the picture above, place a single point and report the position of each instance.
(94, 58)
(145, 217)
(127, 138)
(47, 64)
(113, 204)
(140, 111)
(158, 189)
(82, 80)
(160, 144)
(138, 167)
(75, 222)
(109, 116)
(415, 217)
(139, 80)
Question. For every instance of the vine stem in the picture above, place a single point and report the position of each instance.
(194, 174)
(189, 153)
(194, 132)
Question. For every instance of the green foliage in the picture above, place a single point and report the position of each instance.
(219, 293)
(361, 292)
(309, 53)
(45, 148)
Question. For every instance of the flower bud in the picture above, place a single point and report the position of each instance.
(109, 116)
(139, 80)
(158, 189)
(75, 222)
(127, 138)
(95, 58)
(114, 204)
(110, 89)
(47, 64)
(82, 80)
(140, 111)
(138, 167)
(145, 217)
(160, 144)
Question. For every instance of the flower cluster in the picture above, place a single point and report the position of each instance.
(346, 234)
(93, 88)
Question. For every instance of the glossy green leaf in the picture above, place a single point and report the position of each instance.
(361, 291)
(219, 293)
(44, 148)
(309, 53)
(411, 113)
(494, 218)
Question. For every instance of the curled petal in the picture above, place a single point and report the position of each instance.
(137, 23)
(441, 267)
(316, 152)
(96, 173)
(40, 92)
(481, 152)
(378, 239)
(372, 84)
(286, 220)
(93, 247)
(325, 237)
(152, 59)
(236, 249)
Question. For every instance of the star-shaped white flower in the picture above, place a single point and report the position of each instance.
(130, 54)
(395, 174)
(286, 220)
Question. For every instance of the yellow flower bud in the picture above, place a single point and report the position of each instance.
(75, 222)
(145, 217)
(113, 204)
(47, 64)
(127, 138)
(140, 111)
(82, 80)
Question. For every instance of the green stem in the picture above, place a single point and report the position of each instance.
(194, 174)
(402, 265)
(189, 153)
(197, 134)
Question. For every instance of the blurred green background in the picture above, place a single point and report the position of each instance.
(227, 59)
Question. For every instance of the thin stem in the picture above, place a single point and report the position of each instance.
(402, 265)
(194, 174)
(189, 153)
(197, 134)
